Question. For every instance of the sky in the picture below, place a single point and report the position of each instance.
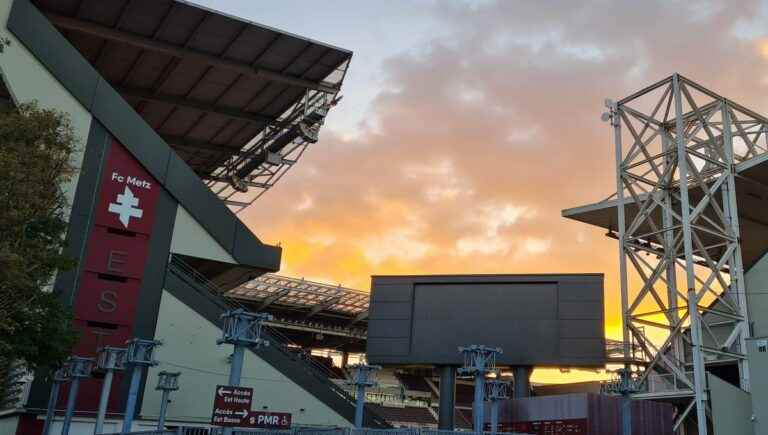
(466, 127)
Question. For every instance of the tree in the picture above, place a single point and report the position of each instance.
(35, 149)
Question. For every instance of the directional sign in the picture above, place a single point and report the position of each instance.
(268, 420)
(231, 405)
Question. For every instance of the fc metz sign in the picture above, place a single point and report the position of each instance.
(113, 269)
(128, 194)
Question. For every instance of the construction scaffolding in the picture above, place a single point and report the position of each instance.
(683, 299)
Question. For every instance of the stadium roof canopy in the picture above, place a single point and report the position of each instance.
(313, 297)
(218, 89)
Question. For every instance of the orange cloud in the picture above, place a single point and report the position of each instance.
(478, 141)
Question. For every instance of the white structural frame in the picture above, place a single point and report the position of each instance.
(683, 302)
(308, 114)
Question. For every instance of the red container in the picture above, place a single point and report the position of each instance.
(581, 414)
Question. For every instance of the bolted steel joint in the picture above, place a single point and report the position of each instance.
(111, 358)
(243, 328)
(168, 381)
(141, 352)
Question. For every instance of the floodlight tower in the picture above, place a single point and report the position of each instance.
(496, 390)
(138, 356)
(79, 367)
(478, 361)
(166, 382)
(362, 378)
(241, 329)
(108, 359)
(60, 376)
(670, 138)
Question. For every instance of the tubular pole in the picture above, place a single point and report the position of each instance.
(50, 412)
(103, 400)
(71, 400)
(693, 299)
(478, 406)
(621, 224)
(163, 410)
(494, 416)
(236, 369)
(133, 394)
(359, 406)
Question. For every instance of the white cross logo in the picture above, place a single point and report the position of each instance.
(124, 207)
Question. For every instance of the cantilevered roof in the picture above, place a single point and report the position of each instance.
(208, 83)
(314, 297)
(120, 121)
(752, 200)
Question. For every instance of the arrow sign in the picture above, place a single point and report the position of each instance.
(231, 405)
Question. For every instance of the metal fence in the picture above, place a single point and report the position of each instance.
(308, 431)
(177, 431)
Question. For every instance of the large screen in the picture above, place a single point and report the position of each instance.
(538, 320)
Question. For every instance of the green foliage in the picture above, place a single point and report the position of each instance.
(11, 382)
(35, 149)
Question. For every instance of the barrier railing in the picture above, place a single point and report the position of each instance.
(177, 431)
(277, 340)
(312, 431)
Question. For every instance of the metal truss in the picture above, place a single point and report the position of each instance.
(296, 292)
(244, 177)
(682, 278)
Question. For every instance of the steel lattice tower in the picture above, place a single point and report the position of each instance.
(677, 144)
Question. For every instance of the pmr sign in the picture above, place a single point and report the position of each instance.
(231, 405)
(268, 420)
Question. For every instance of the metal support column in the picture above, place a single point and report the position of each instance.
(138, 356)
(478, 405)
(60, 376)
(621, 227)
(79, 367)
(478, 361)
(699, 375)
(241, 329)
(497, 390)
(166, 382)
(108, 359)
(446, 417)
(362, 378)
(522, 381)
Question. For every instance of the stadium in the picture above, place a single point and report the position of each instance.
(187, 116)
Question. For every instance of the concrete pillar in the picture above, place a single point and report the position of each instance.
(522, 377)
(344, 360)
(445, 419)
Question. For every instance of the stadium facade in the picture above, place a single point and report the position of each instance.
(183, 116)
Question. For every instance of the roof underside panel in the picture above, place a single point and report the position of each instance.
(208, 83)
(751, 196)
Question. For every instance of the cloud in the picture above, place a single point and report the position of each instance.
(477, 140)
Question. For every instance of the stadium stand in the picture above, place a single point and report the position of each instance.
(410, 416)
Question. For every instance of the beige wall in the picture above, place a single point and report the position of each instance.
(189, 346)
(190, 238)
(756, 280)
(8, 425)
(731, 408)
(28, 80)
